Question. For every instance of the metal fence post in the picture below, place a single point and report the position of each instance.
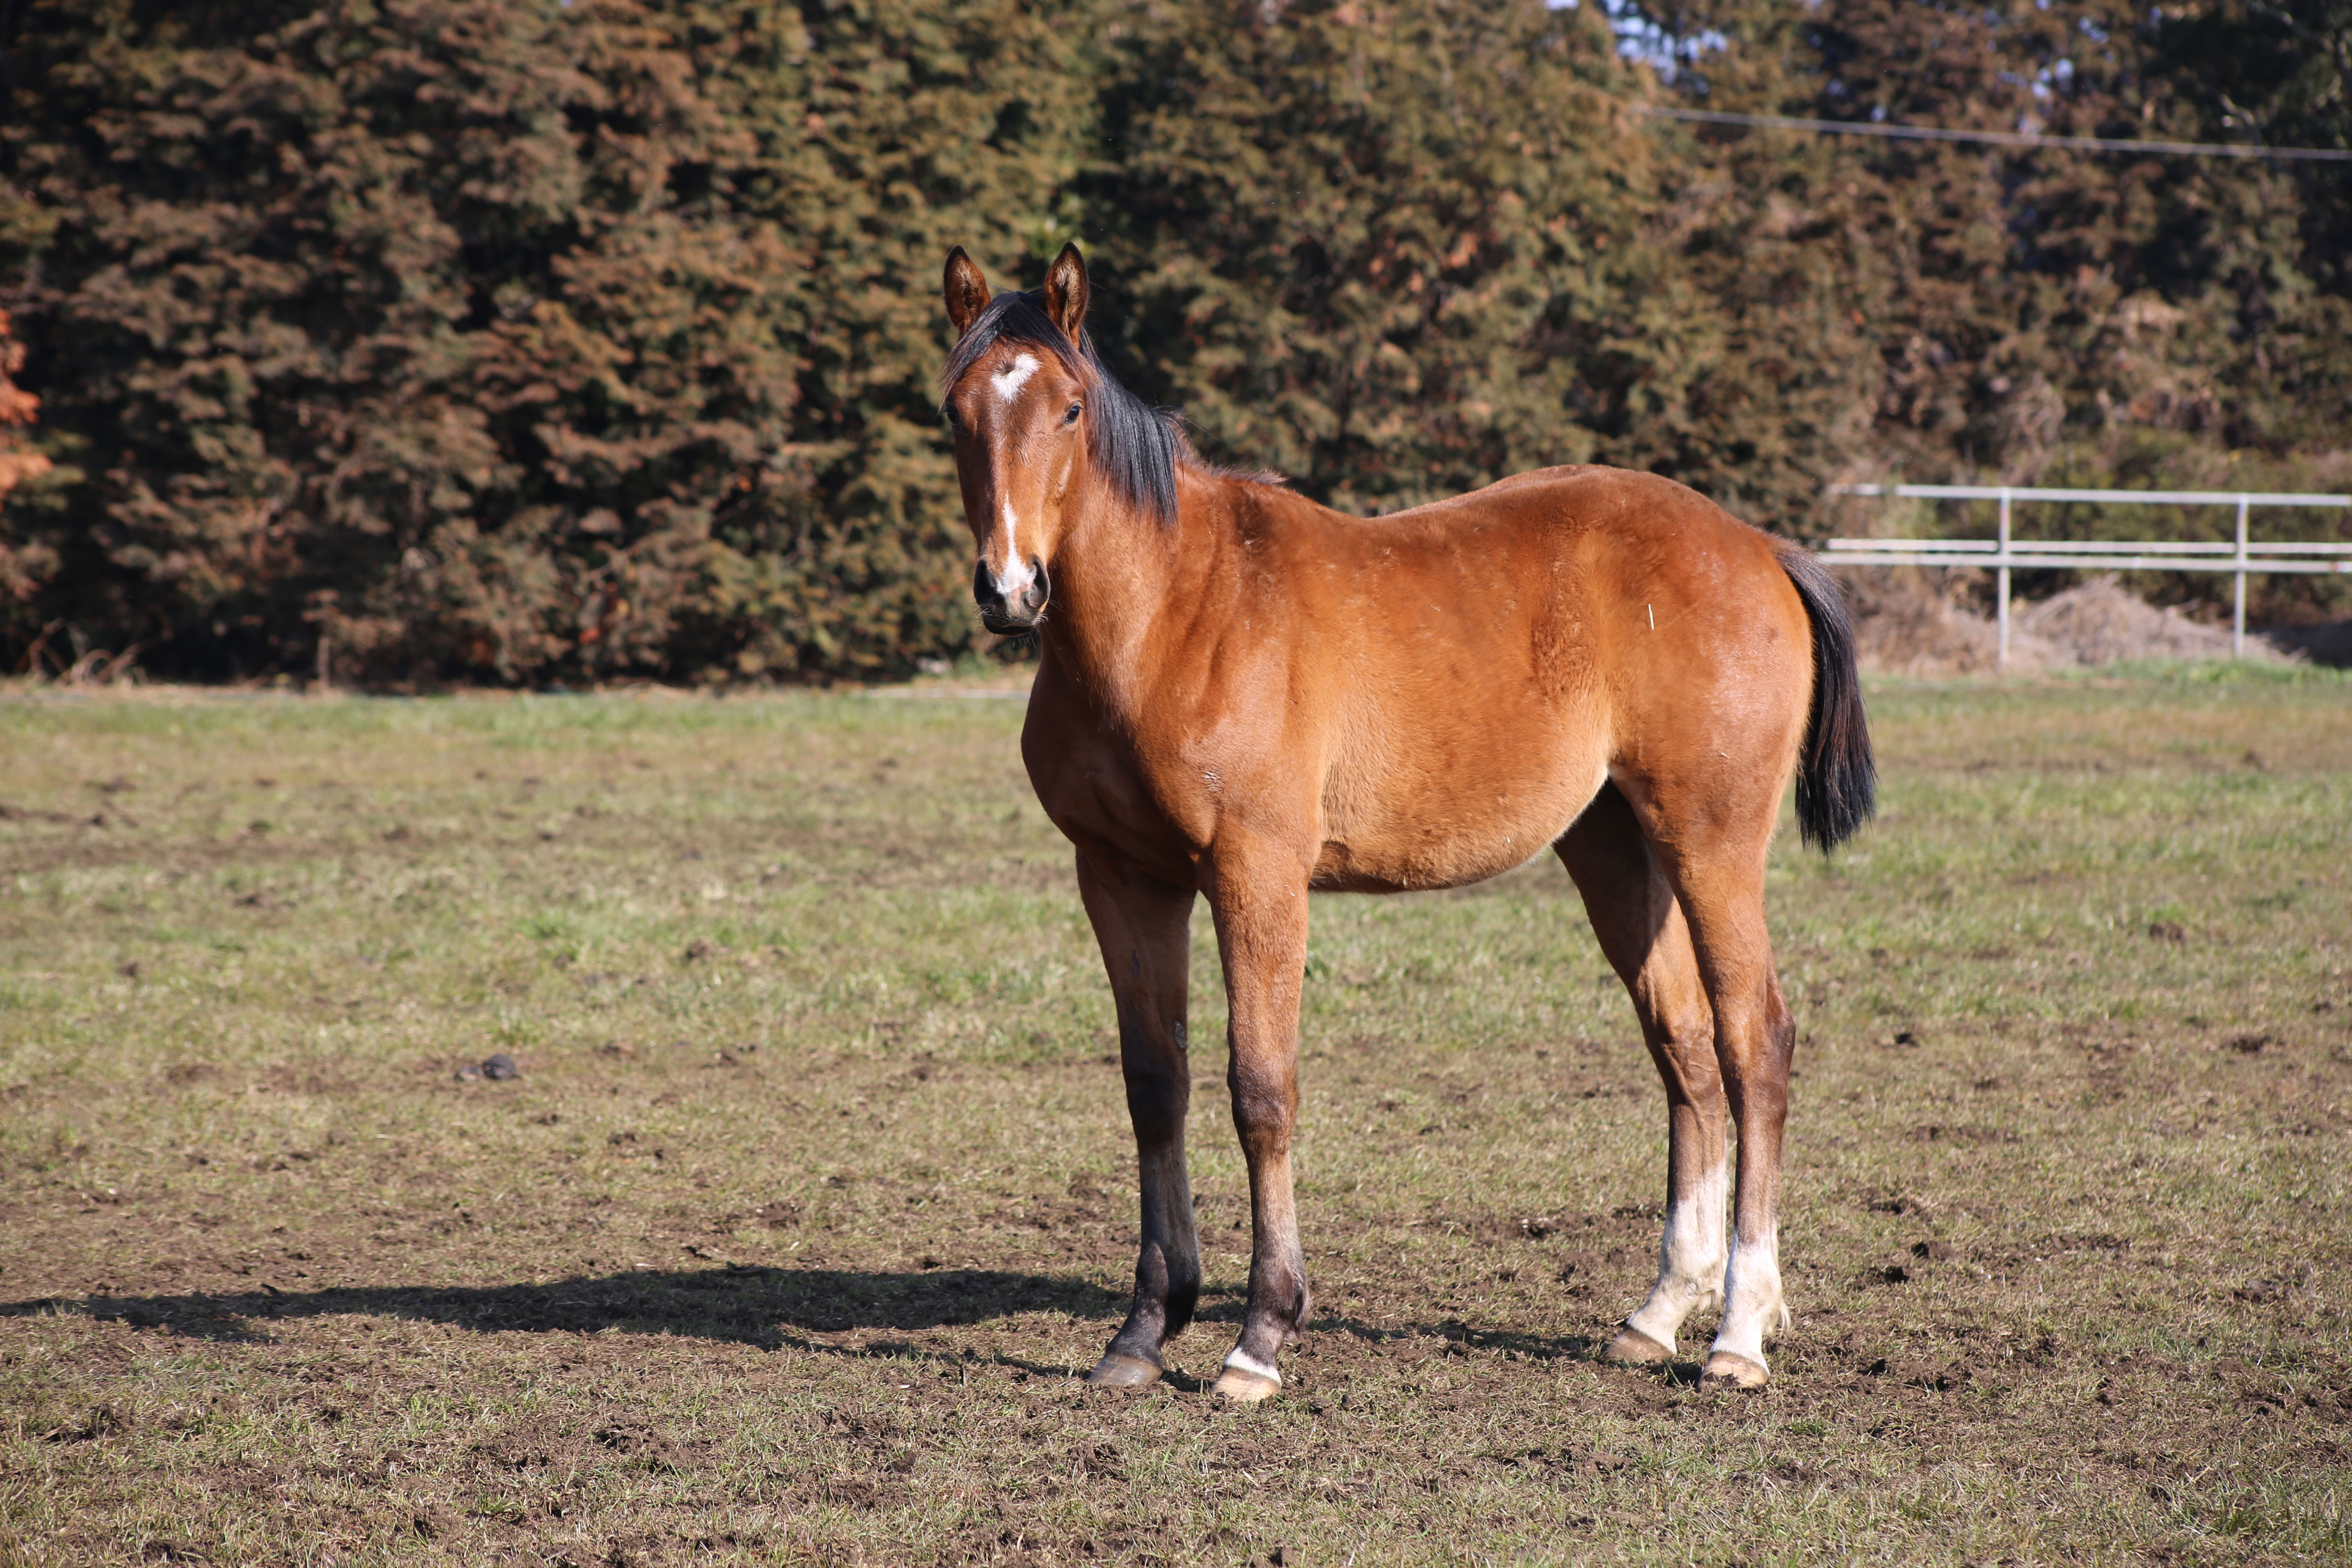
(2238, 605)
(2000, 590)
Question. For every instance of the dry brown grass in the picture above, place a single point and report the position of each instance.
(813, 1194)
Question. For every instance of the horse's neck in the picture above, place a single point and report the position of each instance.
(1124, 583)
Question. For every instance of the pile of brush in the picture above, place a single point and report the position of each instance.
(1907, 623)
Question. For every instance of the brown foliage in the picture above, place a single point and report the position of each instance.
(428, 329)
(496, 339)
(19, 460)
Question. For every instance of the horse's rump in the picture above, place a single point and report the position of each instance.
(1542, 635)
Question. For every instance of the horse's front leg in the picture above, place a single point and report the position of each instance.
(1144, 928)
(1258, 894)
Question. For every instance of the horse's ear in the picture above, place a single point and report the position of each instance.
(1065, 293)
(966, 289)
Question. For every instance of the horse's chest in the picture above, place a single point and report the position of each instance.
(1105, 800)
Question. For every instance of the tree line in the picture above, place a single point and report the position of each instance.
(527, 340)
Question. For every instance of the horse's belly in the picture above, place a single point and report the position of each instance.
(1428, 800)
(1448, 852)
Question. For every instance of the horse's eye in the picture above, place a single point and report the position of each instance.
(1071, 416)
(955, 420)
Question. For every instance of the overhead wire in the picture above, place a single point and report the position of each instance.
(1997, 137)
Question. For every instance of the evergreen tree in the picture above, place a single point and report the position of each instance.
(2029, 315)
(1371, 246)
(897, 128)
(527, 340)
(20, 460)
(428, 329)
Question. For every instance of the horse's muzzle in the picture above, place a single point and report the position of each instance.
(1008, 616)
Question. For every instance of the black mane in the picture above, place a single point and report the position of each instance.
(1135, 445)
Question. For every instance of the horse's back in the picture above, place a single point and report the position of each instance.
(1587, 519)
(1693, 648)
(1581, 567)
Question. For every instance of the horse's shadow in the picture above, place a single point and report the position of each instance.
(771, 1309)
(768, 1307)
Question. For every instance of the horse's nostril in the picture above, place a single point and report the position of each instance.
(1004, 612)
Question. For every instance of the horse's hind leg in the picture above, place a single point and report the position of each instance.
(1144, 929)
(1716, 866)
(1641, 931)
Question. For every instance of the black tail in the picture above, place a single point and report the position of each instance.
(1837, 779)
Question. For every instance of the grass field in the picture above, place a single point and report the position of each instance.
(815, 1194)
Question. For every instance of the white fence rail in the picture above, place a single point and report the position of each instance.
(2245, 558)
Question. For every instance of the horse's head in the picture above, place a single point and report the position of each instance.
(1038, 422)
(1018, 385)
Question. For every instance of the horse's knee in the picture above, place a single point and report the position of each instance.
(1265, 1105)
(1158, 1096)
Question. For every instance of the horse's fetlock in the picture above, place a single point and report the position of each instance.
(1183, 1300)
(1141, 1338)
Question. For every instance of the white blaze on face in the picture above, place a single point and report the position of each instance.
(1014, 578)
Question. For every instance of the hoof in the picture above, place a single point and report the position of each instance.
(1247, 1380)
(1244, 1387)
(1632, 1347)
(1118, 1371)
(1725, 1369)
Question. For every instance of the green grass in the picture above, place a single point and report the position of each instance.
(815, 1194)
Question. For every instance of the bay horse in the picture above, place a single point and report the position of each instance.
(1245, 695)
